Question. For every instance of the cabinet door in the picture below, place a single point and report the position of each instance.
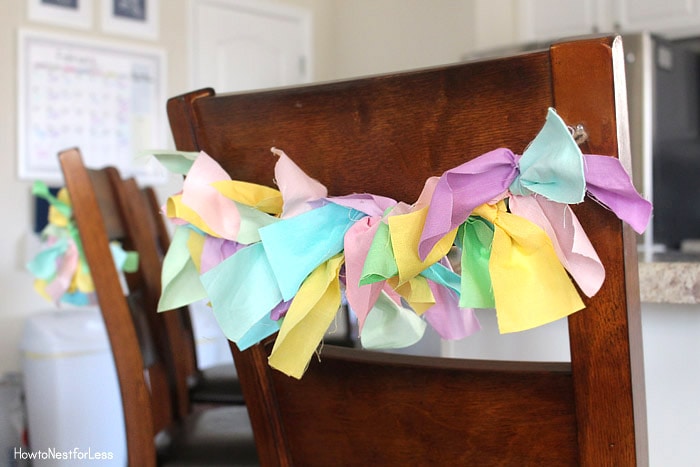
(669, 17)
(543, 20)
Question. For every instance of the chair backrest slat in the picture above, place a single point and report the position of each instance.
(102, 204)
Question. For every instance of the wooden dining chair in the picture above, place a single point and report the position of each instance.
(217, 384)
(385, 135)
(159, 431)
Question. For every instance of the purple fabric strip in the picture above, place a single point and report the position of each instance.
(462, 189)
(372, 205)
(216, 250)
(608, 182)
(280, 310)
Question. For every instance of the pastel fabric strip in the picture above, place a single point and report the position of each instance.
(308, 318)
(357, 242)
(608, 182)
(460, 190)
(217, 212)
(391, 326)
(296, 246)
(179, 277)
(475, 239)
(552, 165)
(531, 287)
(573, 248)
(243, 290)
(297, 188)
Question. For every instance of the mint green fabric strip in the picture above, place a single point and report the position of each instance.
(380, 263)
(177, 162)
(243, 290)
(43, 265)
(252, 220)
(390, 326)
(475, 237)
(180, 278)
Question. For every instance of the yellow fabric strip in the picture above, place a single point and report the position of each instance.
(309, 317)
(261, 197)
(405, 230)
(416, 291)
(530, 286)
(55, 216)
(83, 279)
(195, 245)
(40, 288)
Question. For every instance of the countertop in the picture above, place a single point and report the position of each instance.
(670, 280)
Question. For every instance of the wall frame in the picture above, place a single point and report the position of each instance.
(106, 98)
(70, 13)
(135, 18)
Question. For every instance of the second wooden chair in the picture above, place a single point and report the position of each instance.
(217, 384)
(158, 431)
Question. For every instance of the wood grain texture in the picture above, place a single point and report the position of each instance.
(213, 385)
(386, 135)
(607, 335)
(152, 364)
(98, 217)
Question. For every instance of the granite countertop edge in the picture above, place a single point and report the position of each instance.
(675, 282)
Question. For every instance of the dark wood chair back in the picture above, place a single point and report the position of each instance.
(216, 384)
(386, 135)
(138, 358)
(150, 370)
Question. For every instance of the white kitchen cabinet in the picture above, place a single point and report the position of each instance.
(673, 18)
(545, 20)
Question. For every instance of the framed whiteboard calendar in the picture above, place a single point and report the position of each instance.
(105, 98)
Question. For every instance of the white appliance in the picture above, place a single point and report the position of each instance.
(71, 387)
(74, 412)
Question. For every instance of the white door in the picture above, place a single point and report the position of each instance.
(241, 44)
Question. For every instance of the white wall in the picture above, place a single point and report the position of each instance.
(364, 37)
(16, 291)
(382, 36)
(495, 23)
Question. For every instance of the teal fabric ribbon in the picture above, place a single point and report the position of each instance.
(297, 245)
(552, 165)
(243, 290)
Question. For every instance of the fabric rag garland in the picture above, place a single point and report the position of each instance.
(279, 260)
(61, 273)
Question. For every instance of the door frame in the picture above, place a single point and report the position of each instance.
(260, 7)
